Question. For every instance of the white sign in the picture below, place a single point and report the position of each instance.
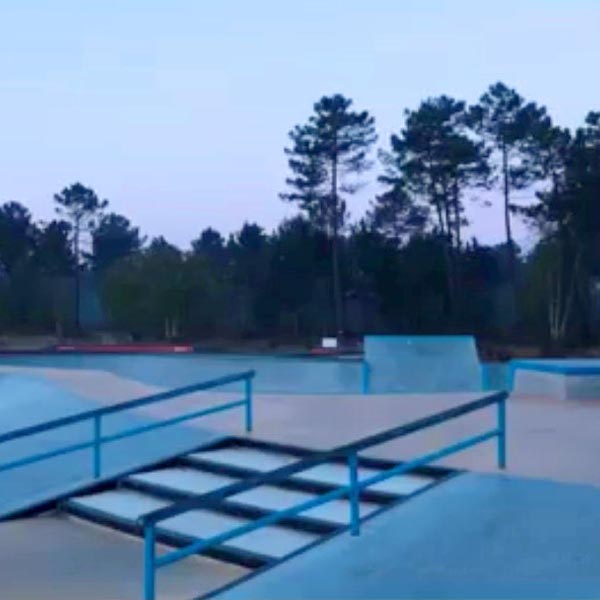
(329, 342)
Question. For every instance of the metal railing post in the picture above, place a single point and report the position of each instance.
(365, 377)
(502, 433)
(248, 396)
(149, 563)
(354, 494)
(97, 446)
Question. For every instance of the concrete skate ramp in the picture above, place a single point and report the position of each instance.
(558, 379)
(474, 536)
(28, 400)
(421, 364)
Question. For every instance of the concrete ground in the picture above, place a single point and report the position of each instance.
(514, 537)
(475, 536)
(53, 557)
(547, 438)
(556, 440)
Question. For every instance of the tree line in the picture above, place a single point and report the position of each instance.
(404, 267)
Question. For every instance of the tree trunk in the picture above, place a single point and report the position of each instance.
(554, 306)
(583, 307)
(444, 232)
(562, 293)
(337, 286)
(450, 258)
(510, 247)
(457, 267)
(440, 216)
(77, 280)
(570, 296)
(505, 177)
(457, 223)
(337, 291)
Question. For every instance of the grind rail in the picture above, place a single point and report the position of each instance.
(349, 452)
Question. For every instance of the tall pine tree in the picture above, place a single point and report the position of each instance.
(507, 122)
(430, 165)
(81, 208)
(326, 156)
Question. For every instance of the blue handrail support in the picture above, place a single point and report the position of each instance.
(150, 522)
(95, 418)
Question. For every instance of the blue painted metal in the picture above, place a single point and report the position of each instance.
(149, 562)
(354, 494)
(350, 451)
(583, 367)
(97, 446)
(96, 415)
(248, 399)
(365, 377)
(428, 458)
(185, 417)
(437, 338)
(502, 434)
(21, 462)
(270, 519)
(137, 403)
(215, 497)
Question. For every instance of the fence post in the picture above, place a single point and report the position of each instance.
(149, 563)
(502, 433)
(248, 394)
(354, 494)
(97, 446)
(365, 377)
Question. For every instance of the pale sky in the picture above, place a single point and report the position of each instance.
(177, 111)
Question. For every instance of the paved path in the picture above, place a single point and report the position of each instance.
(557, 440)
(58, 558)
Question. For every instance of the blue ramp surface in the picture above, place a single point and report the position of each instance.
(274, 374)
(475, 536)
(422, 364)
(28, 400)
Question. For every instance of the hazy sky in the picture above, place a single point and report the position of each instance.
(177, 111)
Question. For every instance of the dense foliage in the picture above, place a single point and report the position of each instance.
(403, 267)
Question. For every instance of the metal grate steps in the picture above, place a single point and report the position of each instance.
(120, 505)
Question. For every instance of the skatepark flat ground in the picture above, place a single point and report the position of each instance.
(529, 532)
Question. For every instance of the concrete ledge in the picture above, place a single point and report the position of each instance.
(556, 385)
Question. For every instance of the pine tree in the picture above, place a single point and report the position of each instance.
(326, 156)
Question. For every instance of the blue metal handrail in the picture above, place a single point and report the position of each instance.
(349, 451)
(97, 414)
